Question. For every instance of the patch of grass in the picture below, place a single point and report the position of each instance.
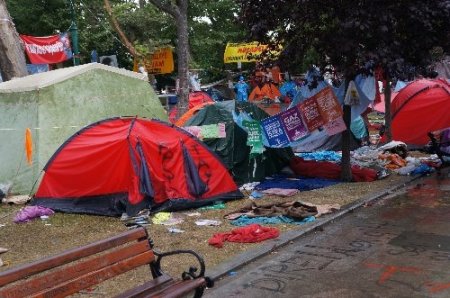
(38, 239)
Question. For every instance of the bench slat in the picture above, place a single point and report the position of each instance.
(96, 277)
(179, 289)
(140, 291)
(70, 255)
(67, 273)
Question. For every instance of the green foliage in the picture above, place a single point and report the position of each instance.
(391, 33)
(211, 25)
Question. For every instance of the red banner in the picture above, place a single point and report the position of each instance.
(48, 49)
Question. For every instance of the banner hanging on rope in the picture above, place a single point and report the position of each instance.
(48, 49)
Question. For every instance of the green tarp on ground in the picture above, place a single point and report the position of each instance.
(56, 104)
(233, 149)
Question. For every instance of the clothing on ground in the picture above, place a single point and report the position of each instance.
(302, 184)
(249, 234)
(293, 209)
(245, 220)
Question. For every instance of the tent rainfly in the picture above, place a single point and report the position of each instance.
(55, 104)
(128, 164)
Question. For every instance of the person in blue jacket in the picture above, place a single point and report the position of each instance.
(241, 88)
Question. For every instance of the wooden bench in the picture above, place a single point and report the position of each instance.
(81, 268)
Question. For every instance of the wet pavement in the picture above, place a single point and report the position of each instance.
(396, 247)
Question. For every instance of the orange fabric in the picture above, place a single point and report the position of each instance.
(271, 90)
(188, 115)
(29, 146)
(256, 94)
(268, 90)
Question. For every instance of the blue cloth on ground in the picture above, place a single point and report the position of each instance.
(302, 184)
(244, 220)
(321, 156)
(422, 169)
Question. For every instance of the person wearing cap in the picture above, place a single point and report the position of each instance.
(241, 88)
(264, 90)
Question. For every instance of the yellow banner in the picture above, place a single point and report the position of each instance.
(159, 62)
(244, 52)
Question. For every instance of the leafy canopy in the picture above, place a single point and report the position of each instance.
(391, 33)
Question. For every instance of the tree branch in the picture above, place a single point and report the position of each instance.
(119, 31)
(167, 7)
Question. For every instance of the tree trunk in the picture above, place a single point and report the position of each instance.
(387, 110)
(179, 12)
(346, 170)
(12, 57)
(183, 59)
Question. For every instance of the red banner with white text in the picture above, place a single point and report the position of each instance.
(47, 49)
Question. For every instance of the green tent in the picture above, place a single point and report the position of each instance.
(56, 104)
(233, 149)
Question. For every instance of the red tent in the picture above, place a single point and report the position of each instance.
(419, 108)
(199, 97)
(127, 164)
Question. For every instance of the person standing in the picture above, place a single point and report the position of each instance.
(241, 88)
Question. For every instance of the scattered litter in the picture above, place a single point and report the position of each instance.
(47, 224)
(175, 230)
(1, 263)
(232, 273)
(17, 200)
(218, 205)
(2, 225)
(44, 217)
(31, 212)
(160, 217)
(192, 214)
(248, 186)
(167, 219)
(172, 221)
(3, 250)
(255, 195)
(208, 222)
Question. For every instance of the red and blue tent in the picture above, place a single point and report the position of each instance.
(126, 164)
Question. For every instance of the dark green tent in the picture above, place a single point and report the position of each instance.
(233, 149)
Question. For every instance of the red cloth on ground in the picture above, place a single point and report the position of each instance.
(329, 170)
(248, 234)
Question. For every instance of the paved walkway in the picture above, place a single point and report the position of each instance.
(398, 247)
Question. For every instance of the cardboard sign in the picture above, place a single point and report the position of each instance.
(311, 114)
(245, 52)
(273, 129)
(254, 136)
(329, 107)
(293, 124)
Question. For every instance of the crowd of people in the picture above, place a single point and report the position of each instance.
(263, 85)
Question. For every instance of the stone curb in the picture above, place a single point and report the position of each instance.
(247, 257)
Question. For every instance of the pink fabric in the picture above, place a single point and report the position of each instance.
(248, 234)
(31, 212)
(283, 192)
